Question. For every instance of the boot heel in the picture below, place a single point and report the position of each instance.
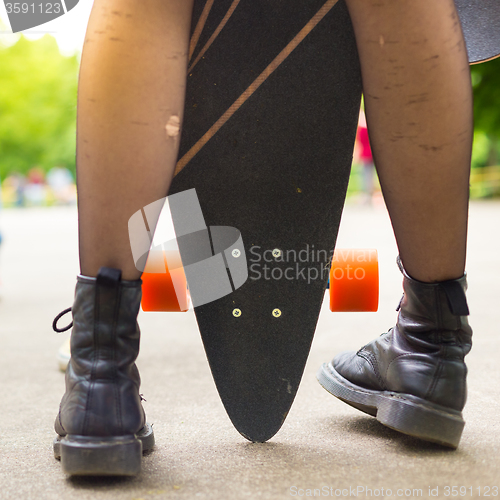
(421, 420)
(93, 456)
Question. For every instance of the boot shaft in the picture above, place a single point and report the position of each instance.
(435, 314)
(434, 332)
(104, 324)
(102, 381)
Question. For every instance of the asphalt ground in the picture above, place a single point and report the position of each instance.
(325, 448)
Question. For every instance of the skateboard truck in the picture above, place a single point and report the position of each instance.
(354, 283)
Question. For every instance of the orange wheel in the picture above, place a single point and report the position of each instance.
(164, 289)
(354, 280)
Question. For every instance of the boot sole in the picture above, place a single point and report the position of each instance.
(402, 412)
(98, 456)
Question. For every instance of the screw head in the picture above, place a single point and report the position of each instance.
(236, 313)
(236, 253)
(276, 253)
(276, 313)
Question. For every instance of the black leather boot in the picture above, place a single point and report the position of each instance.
(101, 426)
(412, 378)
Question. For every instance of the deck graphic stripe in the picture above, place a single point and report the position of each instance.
(255, 84)
(199, 27)
(219, 28)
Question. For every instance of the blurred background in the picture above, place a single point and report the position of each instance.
(39, 75)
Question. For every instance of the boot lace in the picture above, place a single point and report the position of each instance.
(57, 318)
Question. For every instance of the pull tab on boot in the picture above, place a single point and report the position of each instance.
(456, 297)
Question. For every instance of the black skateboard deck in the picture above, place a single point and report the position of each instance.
(273, 96)
(481, 26)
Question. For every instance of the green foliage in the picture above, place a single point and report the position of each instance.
(486, 85)
(37, 106)
(481, 149)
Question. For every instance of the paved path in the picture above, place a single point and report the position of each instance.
(324, 444)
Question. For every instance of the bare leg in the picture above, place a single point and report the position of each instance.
(418, 103)
(132, 84)
(130, 105)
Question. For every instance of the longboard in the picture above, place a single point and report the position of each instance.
(481, 26)
(273, 96)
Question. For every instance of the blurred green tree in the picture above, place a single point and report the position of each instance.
(486, 85)
(38, 92)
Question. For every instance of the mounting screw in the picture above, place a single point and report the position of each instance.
(276, 313)
(236, 313)
(276, 253)
(236, 253)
